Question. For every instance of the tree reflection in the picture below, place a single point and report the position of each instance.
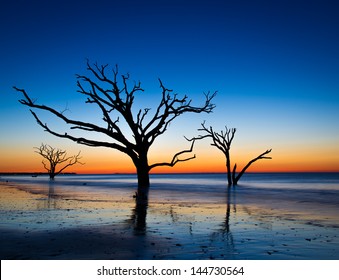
(230, 205)
(139, 213)
(224, 230)
(50, 202)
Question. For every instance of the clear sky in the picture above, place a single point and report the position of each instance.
(275, 65)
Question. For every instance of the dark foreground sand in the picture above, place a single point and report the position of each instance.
(37, 225)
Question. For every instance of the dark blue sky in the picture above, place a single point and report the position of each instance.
(239, 41)
(274, 63)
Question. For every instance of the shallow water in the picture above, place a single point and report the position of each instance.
(188, 216)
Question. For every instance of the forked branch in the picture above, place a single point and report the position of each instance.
(176, 158)
(223, 141)
(236, 178)
(129, 130)
(56, 157)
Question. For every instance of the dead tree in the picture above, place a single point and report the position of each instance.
(115, 100)
(223, 141)
(53, 157)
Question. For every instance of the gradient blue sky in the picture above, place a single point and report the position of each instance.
(275, 65)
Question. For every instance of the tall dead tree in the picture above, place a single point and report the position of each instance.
(54, 157)
(115, 100)
(223, 141)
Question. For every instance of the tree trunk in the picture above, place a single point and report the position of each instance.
(51, 172)
(228, 165)
(143, 176)
(143, 187)
(234, 175)
(51, 175)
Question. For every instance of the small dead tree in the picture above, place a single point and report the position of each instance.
(114, 98)
(53, 157)
(223, 141)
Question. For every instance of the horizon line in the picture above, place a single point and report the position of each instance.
(158, 173)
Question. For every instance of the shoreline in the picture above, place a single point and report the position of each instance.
(39, 225)
(162, 173)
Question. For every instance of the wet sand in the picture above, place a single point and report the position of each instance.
(42, 223)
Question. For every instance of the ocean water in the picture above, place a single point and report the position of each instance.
(313, 193)
(296, 181)
(201, 187)
(267, 216)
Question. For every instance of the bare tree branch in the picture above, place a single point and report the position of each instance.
(223, 142)
(115, 100)
(175, 158)
(56, 157)
(261, 156)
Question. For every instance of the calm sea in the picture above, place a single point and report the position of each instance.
(206, 187)
(268, 215)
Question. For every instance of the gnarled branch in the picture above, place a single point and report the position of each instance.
(56, 157)
(176, 158)
(261, 156)
(115, 101)
(223, 141)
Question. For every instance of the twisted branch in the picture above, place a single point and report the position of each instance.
(223, 142)
(112, 97)
(56, 157)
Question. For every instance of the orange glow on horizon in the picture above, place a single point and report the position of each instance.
(106, 161)
(125, 167)
(186, 169)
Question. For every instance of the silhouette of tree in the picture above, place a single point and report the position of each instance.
(53, 157)
(115, 101)
(223, 141)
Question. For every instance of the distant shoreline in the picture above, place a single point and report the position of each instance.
(34, 174)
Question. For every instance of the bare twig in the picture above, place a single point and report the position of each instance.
(115, 100)
(56, 157)
(223, 141)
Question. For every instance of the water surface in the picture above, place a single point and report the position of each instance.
(188, 216)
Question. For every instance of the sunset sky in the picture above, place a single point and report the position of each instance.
(275, 65)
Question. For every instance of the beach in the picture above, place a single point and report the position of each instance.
(187, 216)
